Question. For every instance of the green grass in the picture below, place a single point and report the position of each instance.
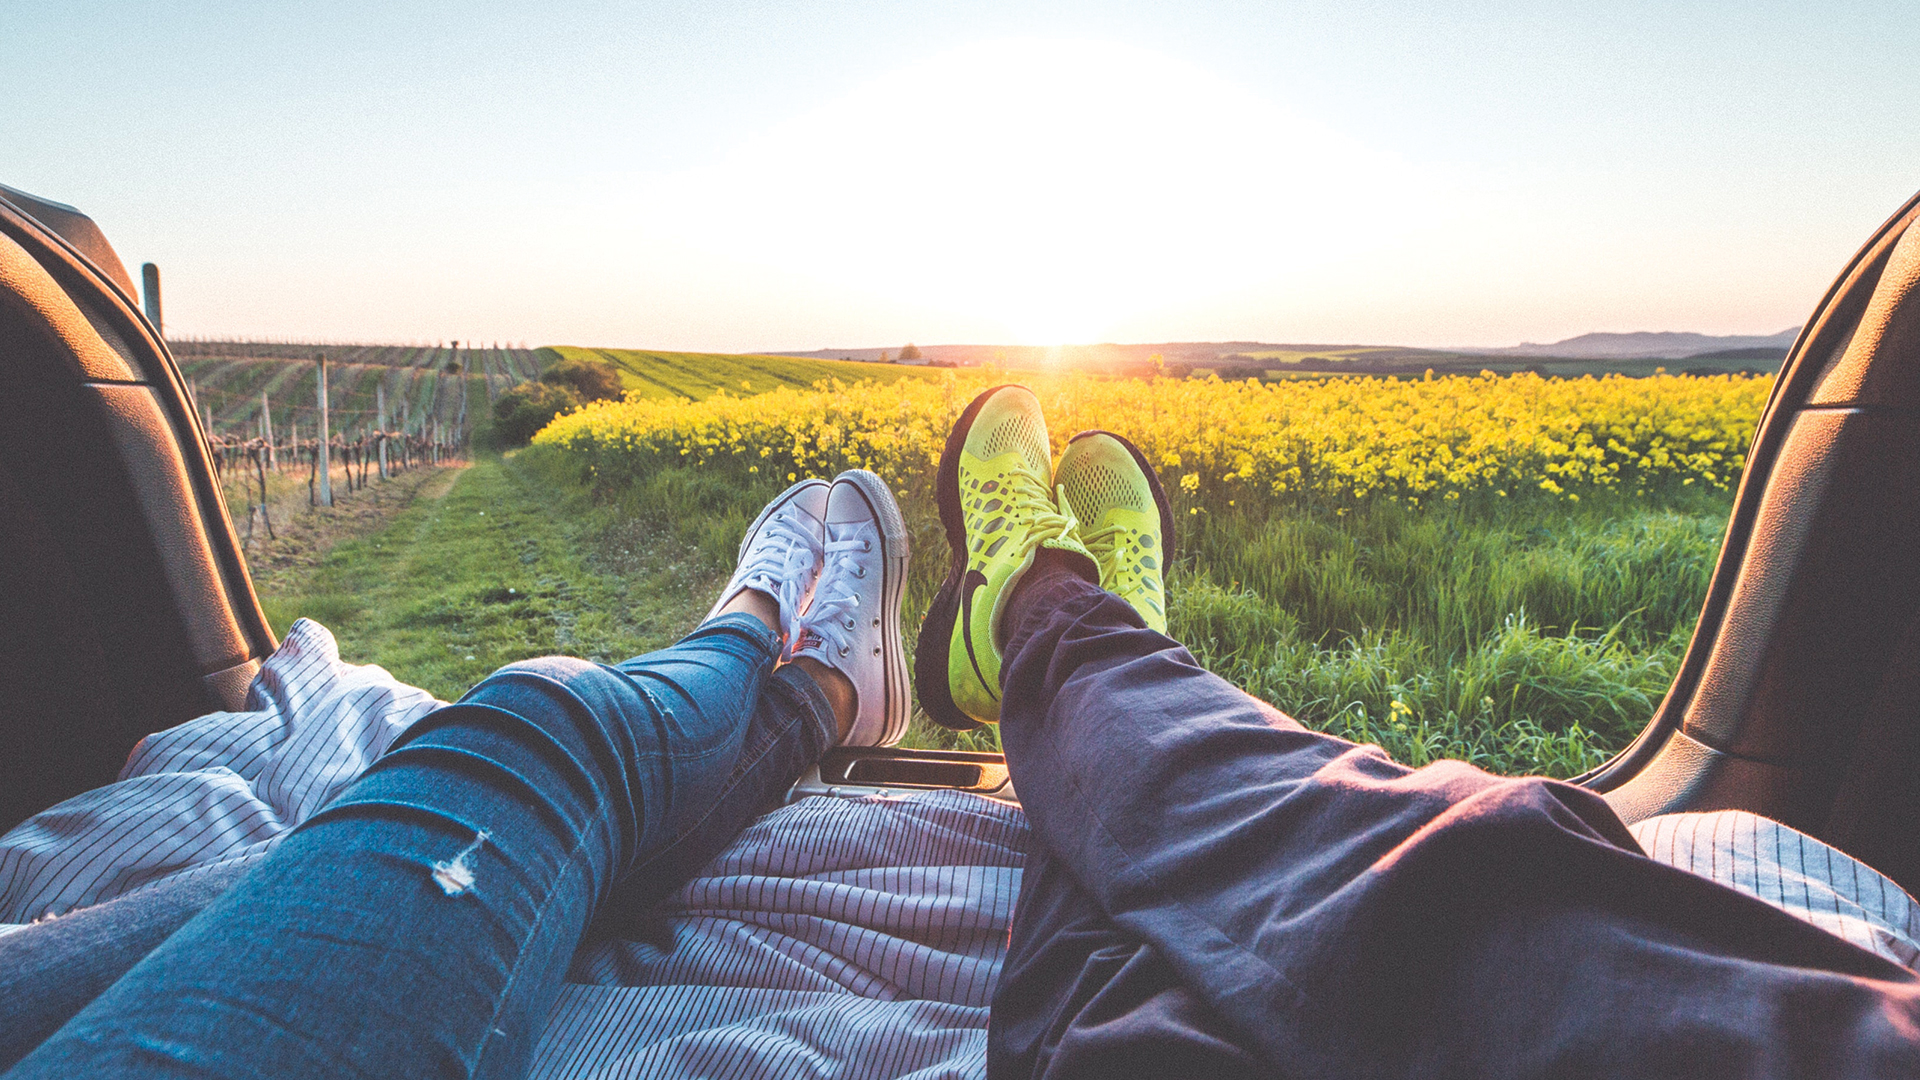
(501, 567)
(1530, 637)
(1527, 636)
(697, 376)
(1533, 640)
(1537, 639)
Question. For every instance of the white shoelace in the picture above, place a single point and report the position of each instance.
(836, 598)
(781, 564)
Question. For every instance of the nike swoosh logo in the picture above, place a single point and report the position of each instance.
(969, 584)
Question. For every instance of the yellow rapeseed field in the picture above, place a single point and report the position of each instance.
(1335, 441)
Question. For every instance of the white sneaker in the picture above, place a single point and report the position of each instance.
(853, 624)
(781, 554)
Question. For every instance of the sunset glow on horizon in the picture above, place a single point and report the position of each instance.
(780, 177)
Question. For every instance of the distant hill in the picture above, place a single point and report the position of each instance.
(1589, 354)
(1645, 345)
(1029, 356)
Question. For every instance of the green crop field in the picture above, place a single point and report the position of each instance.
(698, 376)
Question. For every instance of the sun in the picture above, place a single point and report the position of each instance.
(1055, 189)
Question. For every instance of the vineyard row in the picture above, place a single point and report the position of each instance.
(433, 388)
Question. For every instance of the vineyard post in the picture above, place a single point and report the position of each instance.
(460, 431)
(322, 453)
(266, 432)
(431, 426)
(260, 467)
(380, 408)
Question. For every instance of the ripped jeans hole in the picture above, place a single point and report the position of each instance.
(455, 875)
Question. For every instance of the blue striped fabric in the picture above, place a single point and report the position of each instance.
(218, 789)
(835, 937)
(1793, 872)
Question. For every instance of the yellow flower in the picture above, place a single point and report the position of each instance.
(1334, 441)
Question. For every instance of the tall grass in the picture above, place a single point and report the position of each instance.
(1526, 636)
(1535, 641)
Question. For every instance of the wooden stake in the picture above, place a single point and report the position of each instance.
(323, 453)
(266, 432)
(380, 408)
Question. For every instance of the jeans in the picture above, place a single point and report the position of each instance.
(421, 924)
(1214, 890)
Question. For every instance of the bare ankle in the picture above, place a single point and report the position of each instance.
(838, 689)
(757, 604)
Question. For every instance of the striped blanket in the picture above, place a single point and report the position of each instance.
(835, 937)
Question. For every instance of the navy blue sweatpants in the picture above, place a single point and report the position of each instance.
(1217, 891)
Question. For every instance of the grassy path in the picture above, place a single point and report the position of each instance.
(489, 565)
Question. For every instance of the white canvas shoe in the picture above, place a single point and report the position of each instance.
(782, 553)
(853, 624)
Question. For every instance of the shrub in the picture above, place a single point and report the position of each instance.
(590, 380)
(527, 408)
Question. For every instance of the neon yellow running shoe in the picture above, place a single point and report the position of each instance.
(995, 490)
(1125, 520)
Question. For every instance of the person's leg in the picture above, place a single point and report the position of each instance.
(420, 924)
(49, 971)
(1078, 997)
(1344, 915)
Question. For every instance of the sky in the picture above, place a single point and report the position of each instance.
(745, 176)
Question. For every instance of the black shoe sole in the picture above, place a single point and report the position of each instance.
(1168, 547)
(930, 661)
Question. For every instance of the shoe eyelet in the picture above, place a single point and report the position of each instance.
(866, 545)
(862, 572)
(844, 650)
(876, 650)
(849, 624)
(876, 622)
